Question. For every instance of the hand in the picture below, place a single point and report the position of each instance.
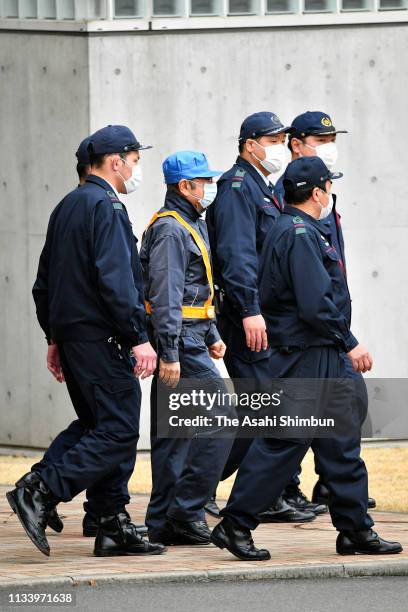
(255, 332)
(217, 350)
(361, 359)
(169, 373)
(146, 360)
(54, 363)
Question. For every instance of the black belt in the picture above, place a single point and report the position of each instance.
(288, 350)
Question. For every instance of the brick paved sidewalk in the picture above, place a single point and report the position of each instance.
(291, 546)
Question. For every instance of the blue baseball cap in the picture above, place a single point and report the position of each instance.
(313, 123)
(82, 154)
(262, 124)
(114, 139)
(186, 165)
(307, 172)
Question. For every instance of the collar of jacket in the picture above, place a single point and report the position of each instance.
(242, 163)
(97, 180)
(182, 206)
(296, 212)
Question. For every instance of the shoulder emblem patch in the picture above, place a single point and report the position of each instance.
(116, 203)
(299, 225)
(238, 178)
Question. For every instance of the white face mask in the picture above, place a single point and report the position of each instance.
(326, 210)
(132, 183)
(210, 191)
(276, 157)
(327, 152)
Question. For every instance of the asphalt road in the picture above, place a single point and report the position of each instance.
(337, 595)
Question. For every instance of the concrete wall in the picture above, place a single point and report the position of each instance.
(44, 113)
(192, 90)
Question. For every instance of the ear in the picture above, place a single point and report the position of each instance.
(296, 143)
(116, 161)
(249, 145)
(182, 185)
(315, 195)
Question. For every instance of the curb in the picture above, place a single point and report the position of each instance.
(291, 572)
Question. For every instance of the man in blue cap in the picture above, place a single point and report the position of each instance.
(89, 300)
(243, 213)
(304, 296)
(314, 134)
(179, 292)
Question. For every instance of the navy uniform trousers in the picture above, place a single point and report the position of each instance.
(257, 369)
(185, 472)
(270, 463)
(97, 452)
(361, 403)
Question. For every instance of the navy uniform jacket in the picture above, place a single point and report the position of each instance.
(89, 283)
(174, 275)
(238, 221)
(332, 222)
(303, 288)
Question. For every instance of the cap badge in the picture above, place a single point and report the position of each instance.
(326, 122)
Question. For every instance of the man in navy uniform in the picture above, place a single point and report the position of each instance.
(90, 305)
(305, 299)
(243, 213)
(179, 291)
(313, 134)
(62, 442)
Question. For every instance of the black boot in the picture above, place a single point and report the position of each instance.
(53, 519)
(238, 541)
(282, 512)
(365, 542)
(180, 535)
(90, 526)
(212, 508)
(32, 504)
(117, 536)
(320, 495)
(195, 532)
(297, 499)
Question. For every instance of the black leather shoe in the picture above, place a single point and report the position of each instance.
(117, 536)
(365, 542)
(90, 526)
(281, 512)
(297, 499)
(320, 495)
(32, 504)
(238, 541)
(53, 519)
(168, 537)
(165, 536)
(212, 508)
(184, 532)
